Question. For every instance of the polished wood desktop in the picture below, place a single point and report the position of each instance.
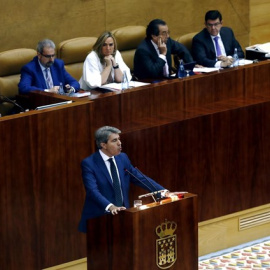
(207, 134)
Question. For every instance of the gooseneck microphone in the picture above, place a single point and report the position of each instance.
(148, 181)
(151, 194)
(8, 100)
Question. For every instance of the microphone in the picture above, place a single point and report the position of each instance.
(148, 194)
(6, 99)
(146, 178)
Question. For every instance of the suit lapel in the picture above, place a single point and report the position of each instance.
(225, 41)
(101, 165)
(55, 81)
(40, 74)
(210, 44)
(152, 48)
(121, 169)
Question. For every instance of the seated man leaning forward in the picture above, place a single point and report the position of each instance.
(153, 56)
(107, 175)
(45, 72)
(104, 64)
(214, 45)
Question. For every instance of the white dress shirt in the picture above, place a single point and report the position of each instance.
(92, 69)
(162, 56)
(221, 46)
(107, 163)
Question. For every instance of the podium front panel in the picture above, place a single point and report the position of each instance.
(163, 236)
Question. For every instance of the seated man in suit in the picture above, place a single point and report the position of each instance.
(107, 175)
(45, 73)
(153, 56)
(214, 45)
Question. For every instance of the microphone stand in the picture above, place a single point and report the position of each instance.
(148, 194)
(8, 100)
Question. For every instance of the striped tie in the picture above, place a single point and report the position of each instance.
(48, 79)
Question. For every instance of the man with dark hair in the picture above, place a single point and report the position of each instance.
(214, 46)
(153, 56)
(45, 72)
(107, 175)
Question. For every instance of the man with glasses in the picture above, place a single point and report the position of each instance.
(153, 56)
(214, 45)
(45, 72)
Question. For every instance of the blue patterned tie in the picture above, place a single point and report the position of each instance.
(217, 46)
(116, 184)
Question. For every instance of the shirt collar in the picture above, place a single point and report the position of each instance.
(104, 156)
(218, 35)
(41, 66)
(155, 46)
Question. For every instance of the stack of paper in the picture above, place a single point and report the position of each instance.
(81, 94)
(118, 86)
(205, 69)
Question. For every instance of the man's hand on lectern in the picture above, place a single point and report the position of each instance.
(115, 209)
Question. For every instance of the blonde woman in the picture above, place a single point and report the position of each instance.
(104, 64)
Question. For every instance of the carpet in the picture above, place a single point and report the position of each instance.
(252, 255)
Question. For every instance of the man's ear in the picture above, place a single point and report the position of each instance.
(103, 145)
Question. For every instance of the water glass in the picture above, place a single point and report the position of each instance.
(137, 203)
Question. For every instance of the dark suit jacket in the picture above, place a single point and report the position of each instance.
(147, 63)
(99, 187)
(32, 77)
(203, 49)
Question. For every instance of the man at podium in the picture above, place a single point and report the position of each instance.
(107, 175)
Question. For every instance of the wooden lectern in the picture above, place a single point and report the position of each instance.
(161, 235)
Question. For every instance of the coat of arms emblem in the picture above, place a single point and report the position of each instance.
(166, 245)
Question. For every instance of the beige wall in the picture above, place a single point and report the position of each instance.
(259, 21)
(24, 22)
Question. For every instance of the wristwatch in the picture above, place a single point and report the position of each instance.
(117, 66)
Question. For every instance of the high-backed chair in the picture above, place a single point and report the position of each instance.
(73, 52)
(128, 38)
(186, 40)
(11, 63)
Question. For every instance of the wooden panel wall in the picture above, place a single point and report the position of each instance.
(23, 23)
(213, 140)
(41, 189)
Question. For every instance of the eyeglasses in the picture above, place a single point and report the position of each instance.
(165, 33)
(48, 55)
(213, 24)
